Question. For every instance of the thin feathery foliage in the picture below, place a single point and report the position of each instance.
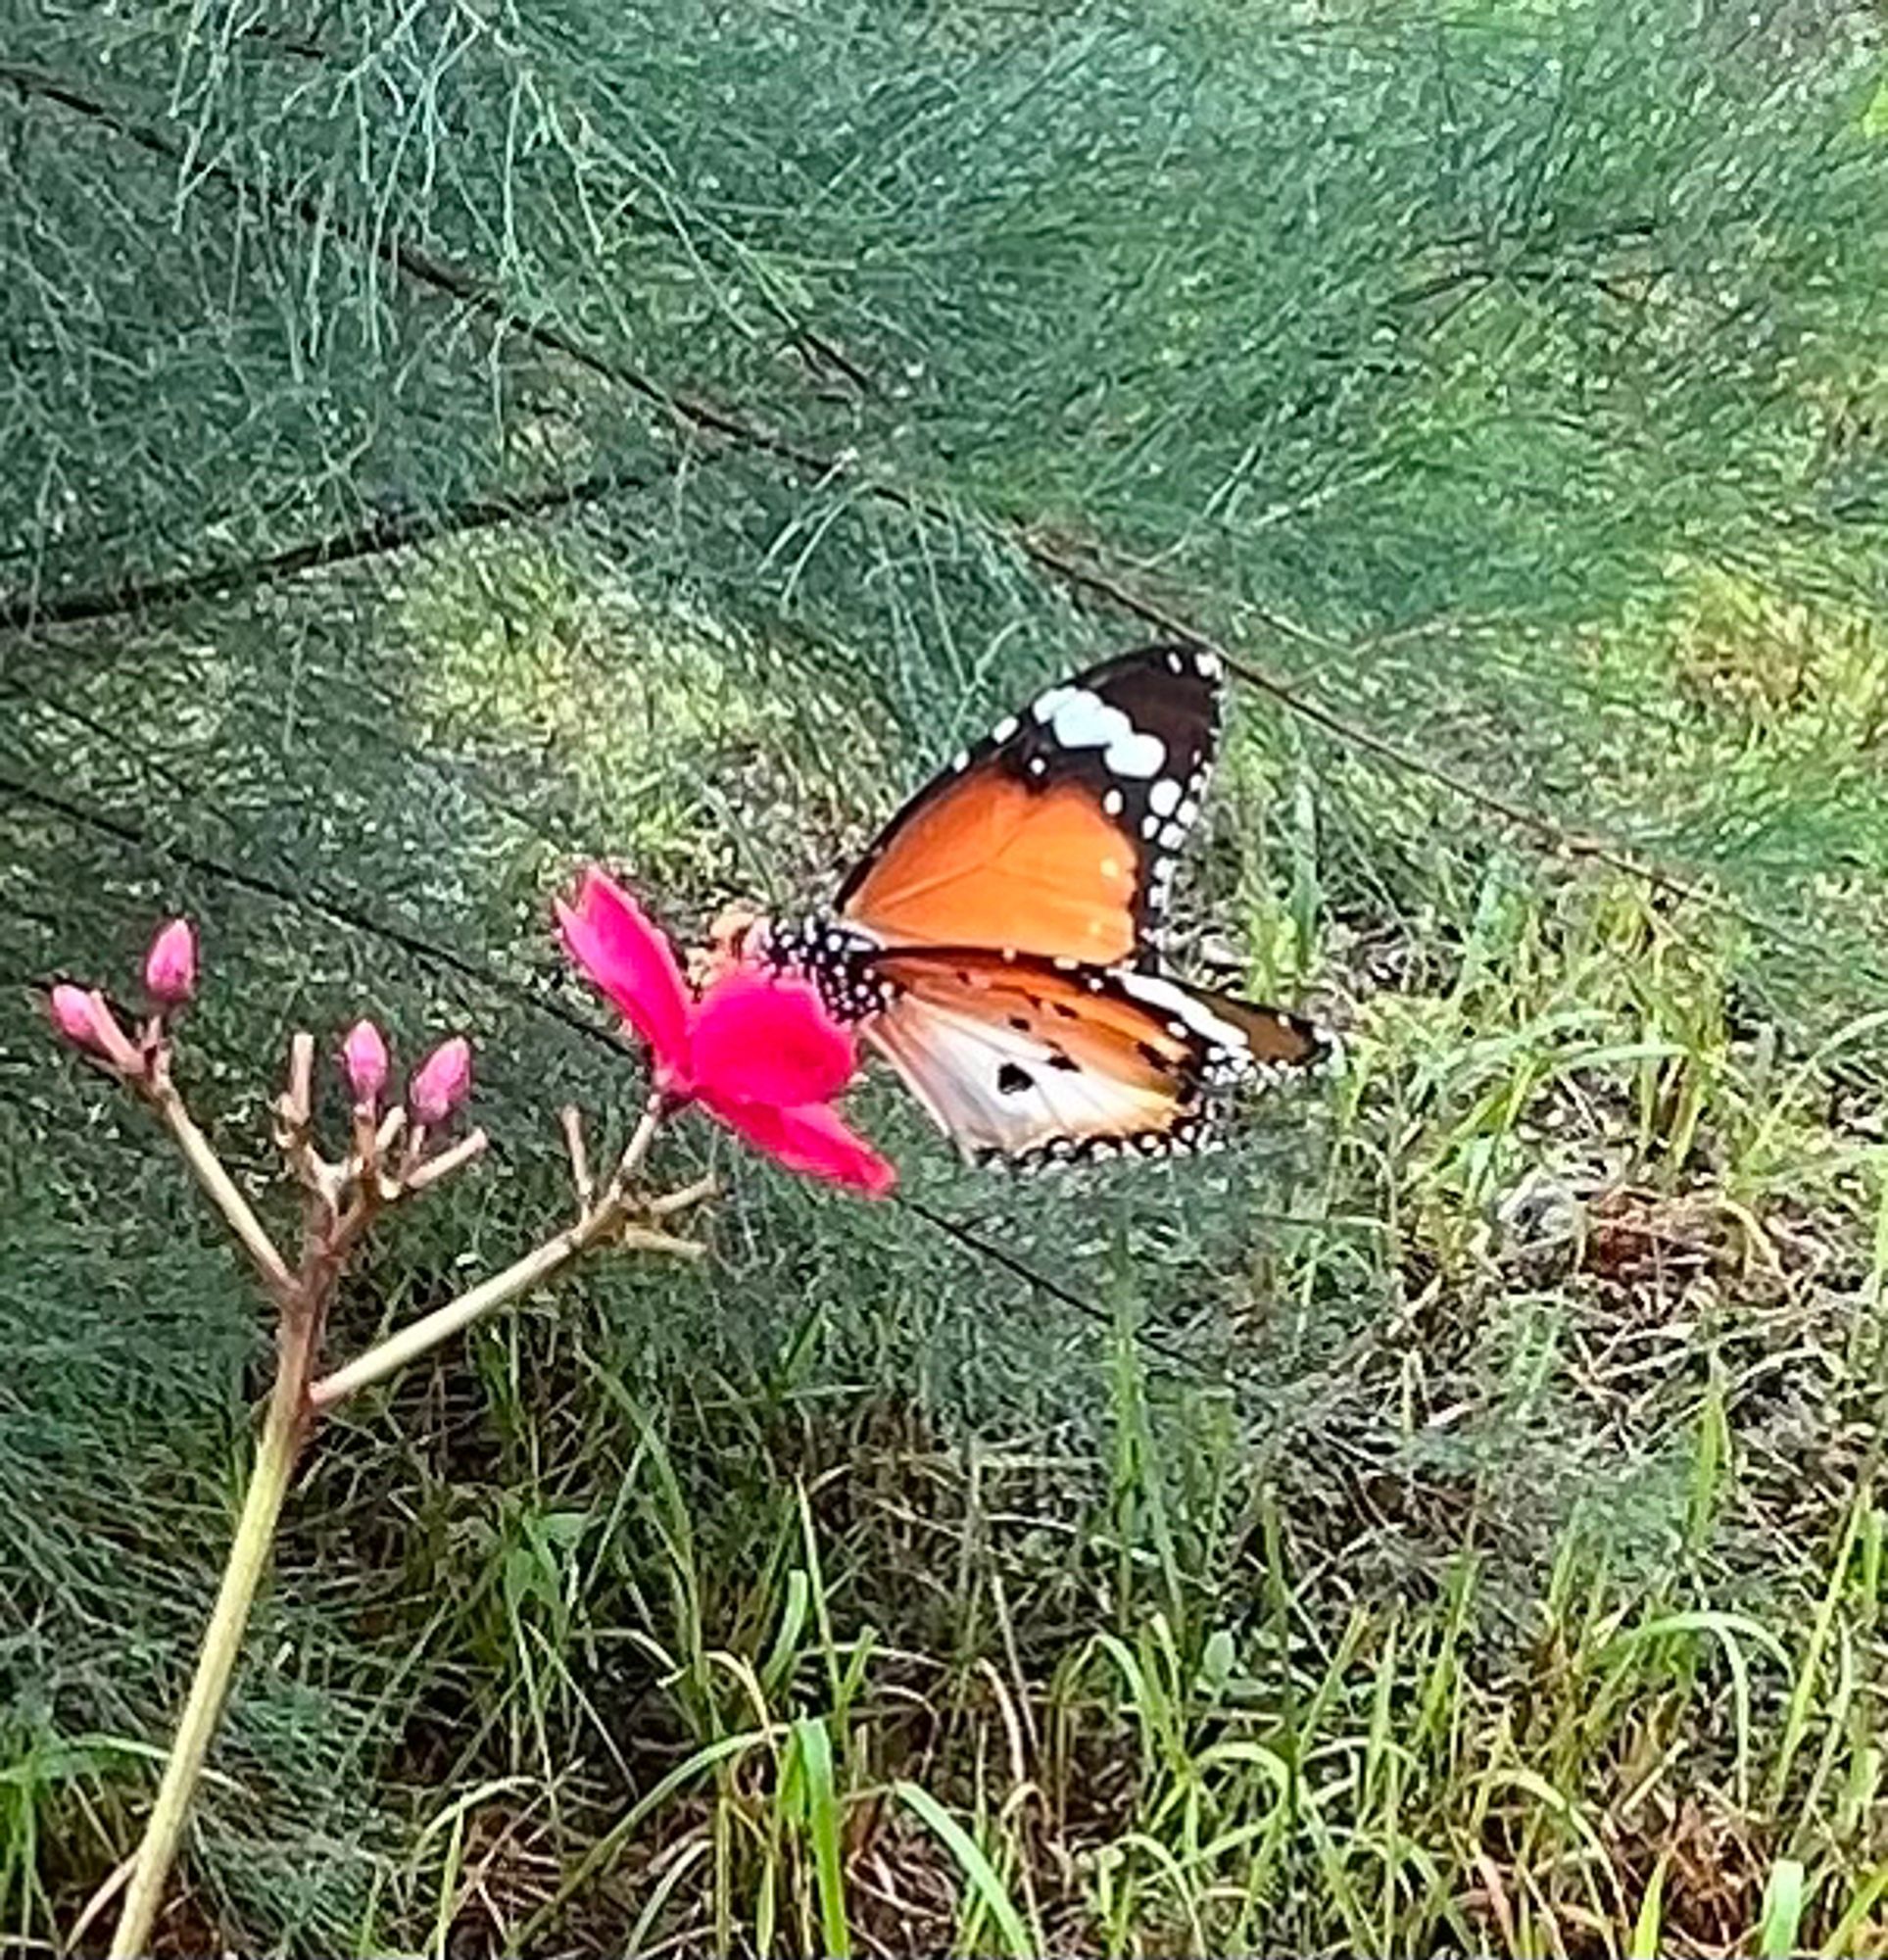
(447, 444)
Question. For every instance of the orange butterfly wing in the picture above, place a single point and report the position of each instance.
(991, 945)
(1029, 1058)
(1058, 834)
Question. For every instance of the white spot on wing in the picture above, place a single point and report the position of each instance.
(1080, 720)
(1182, 1008)
(1163, 798)
(1136, 755)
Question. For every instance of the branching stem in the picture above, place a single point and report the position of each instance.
(607, 1217)
(332, 1231)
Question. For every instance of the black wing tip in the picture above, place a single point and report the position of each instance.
(1324, 1046)
(1321, 1045)
(1324, 1057)
(1168, 659)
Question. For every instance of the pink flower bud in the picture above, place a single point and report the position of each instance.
(171, 965)
(365, 1054)
(440, 1083)
(87, 1021)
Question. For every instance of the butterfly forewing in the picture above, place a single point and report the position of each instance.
(1057, 835)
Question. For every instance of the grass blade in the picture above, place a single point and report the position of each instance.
(1776, 1932)
(976, 1868)
(815, 1752)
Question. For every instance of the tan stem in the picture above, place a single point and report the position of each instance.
(637, 1149)
(207, 1170)
(469, 1146)
(609, 1216)
(444, 1322)
(672, 1201)
(640, 1239)
(570, 1121)
(249, 1557)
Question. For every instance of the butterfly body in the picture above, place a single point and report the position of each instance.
(996, 944)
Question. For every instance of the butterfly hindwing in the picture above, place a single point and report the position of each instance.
(1035, 1060)
(1058, 834)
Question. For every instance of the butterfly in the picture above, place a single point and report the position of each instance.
(997, 945)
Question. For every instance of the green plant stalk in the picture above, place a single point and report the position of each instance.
(295, 1402)
(283, 1430)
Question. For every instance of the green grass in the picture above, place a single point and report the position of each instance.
(1449, 1519)
(1487, 1556)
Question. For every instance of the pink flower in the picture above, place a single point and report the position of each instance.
(440, 1083)
(760, 1054)
(85, 1019)
(171, 965)
(364, 1056)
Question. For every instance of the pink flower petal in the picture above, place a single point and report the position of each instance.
(762, 1040)
(85, 1019)
(440, 1083)
(71, 1011)
(171, 965)
(615, 943)
(364, 1056)
(813, 1140)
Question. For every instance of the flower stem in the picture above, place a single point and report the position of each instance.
(608, 1214)
(207, 1168)
(293, 1404)
(537, 1266)
(281, 1439)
